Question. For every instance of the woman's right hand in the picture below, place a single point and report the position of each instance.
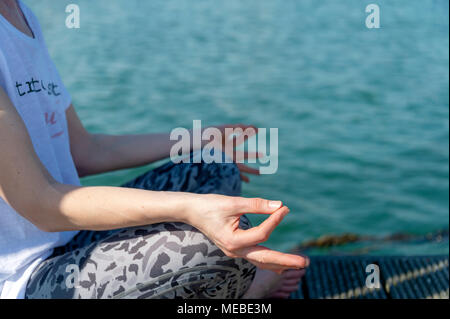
(218, 218)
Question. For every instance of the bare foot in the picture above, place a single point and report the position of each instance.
(268, 284)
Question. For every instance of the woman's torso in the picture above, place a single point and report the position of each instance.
(31, 80)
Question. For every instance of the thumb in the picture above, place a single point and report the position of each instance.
(258, 206)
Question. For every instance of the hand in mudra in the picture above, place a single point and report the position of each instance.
(218, 218)
(230, 142)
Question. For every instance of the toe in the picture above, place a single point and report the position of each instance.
(289, 289)
(281, 295)
(294, 274)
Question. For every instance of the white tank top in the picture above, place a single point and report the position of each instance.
(29, 77)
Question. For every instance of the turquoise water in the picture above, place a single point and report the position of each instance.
(363, 114)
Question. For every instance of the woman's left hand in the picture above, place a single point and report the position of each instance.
(234, 135)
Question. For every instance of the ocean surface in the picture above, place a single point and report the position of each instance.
(363, 114)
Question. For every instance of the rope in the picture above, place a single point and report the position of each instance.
(327, 241)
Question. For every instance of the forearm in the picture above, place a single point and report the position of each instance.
(98, 153)
(109, 153)
(67, 208)
(105, 153)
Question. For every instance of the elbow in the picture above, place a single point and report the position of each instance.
(83, 163)
(51, 225)
(47, 228)
(44, 211)
(45, 221)
(87, 156)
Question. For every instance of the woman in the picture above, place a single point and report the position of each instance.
(178, 231)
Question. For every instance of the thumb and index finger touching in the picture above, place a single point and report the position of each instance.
(251, 238)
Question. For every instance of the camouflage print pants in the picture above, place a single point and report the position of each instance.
(170, 260)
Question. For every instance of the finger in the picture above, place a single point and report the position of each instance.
(241, 156)
(294, 274)
(245, 179)
(270, 259)
(240, 125)
(241, 133)
(243, 127)
(261, 233)
(256, 205)
(247, 169)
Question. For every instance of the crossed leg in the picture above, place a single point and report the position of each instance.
(168, 260)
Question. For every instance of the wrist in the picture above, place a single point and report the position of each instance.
(189, 208)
